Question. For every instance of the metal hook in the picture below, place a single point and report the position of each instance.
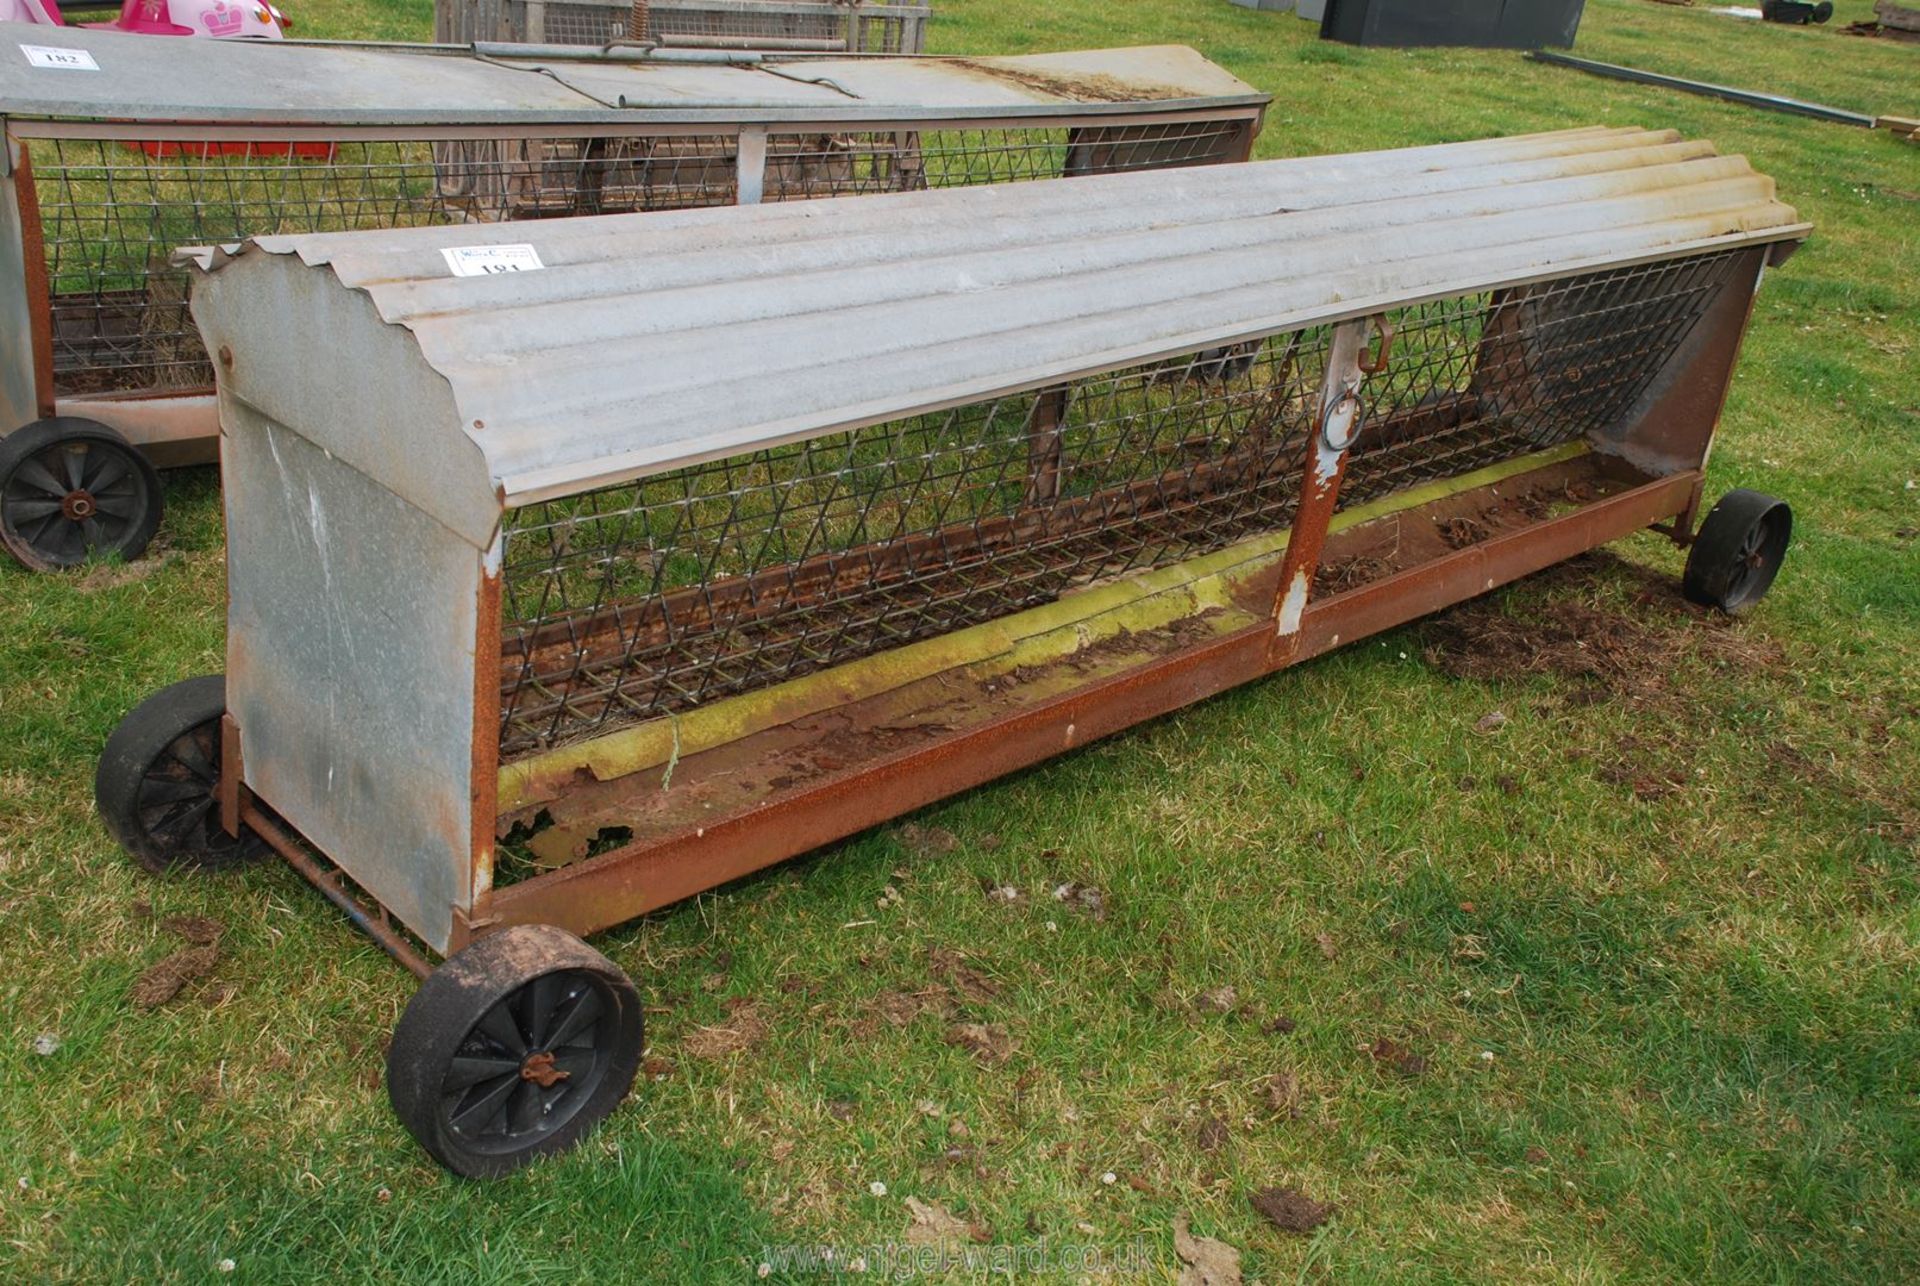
(1383, 358)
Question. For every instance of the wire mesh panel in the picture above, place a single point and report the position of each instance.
(1488, 377)
(113, 212)
(639, 600)
(835, 26)
(844, 164)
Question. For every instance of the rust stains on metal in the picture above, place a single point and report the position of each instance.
(331, 884)
(34, 251)
(1085, 87)
(540, 1070)
(740, 807)
(1339, 428)
(486, 745)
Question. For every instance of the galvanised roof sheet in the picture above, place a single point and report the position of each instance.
(652, 341)
(317, 83)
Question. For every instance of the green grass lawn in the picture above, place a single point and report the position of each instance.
(1624, 990)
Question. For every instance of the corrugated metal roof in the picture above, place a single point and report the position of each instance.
(652, 341)
(293, 82)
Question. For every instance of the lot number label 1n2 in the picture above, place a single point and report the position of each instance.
(59, 59)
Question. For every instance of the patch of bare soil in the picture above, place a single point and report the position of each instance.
(988, 1042)
(201, 930)
(1083, 898)
(1291, 1210)
(168, 976)
(1553, 626)
(927, 841)
(1218, 1000)
(931, 1224)
(900, 1008)
(1204, 1261)
(1392, 1054)
(1282, 1095)
(968, 983)
(744, 1028)
(108, 576)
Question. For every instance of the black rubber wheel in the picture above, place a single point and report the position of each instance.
(155, 783)
(1738, 551)
(73, 489)
(513, 1049)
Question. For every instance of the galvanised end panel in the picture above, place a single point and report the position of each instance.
(19, 397)
(369, 400)
(351, 621)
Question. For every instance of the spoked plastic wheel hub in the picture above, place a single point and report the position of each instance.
(514, 1048)
(70, 490)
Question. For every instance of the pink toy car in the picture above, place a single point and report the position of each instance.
(217, 19)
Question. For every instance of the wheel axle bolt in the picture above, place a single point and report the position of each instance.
(540, 1070)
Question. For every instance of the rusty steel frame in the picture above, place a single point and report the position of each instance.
(603, 891)
(607, 890)
(239, 811)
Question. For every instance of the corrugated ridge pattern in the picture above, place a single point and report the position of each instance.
(652, 341)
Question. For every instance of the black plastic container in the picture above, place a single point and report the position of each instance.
(1487, 24)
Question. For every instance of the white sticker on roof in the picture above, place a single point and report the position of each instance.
(485, 261)
(59, 59)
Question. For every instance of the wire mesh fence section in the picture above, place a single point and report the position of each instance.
(112, 213)
(826, 26)
(1484, 378)
(846, 164)
(654, 597)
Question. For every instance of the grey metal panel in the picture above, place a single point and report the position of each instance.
(345, 85)
(372, 402)
(653, 341)
(350, 661)
(19, 399)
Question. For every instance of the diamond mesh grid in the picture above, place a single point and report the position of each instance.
(112, 213)
(1484, 378)
(906, 160)
(634, 601)
(644, 599)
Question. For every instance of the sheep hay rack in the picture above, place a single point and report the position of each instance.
(708, 538)
(189, 142)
